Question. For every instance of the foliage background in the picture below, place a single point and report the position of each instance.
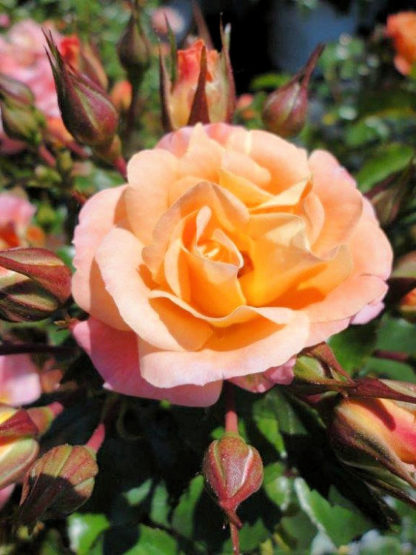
(149, 496)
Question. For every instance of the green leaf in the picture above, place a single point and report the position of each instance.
(84, 529)
(354, 345)
(341, 525)
(289, 422)
(388, 160)
(250, 535)
(395, 334)
(277, 486)
(153, 541)
(182, 521)
(159, 511)
(264, 415)
(391, 369)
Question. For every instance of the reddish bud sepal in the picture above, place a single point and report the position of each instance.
(87, 111)
(234, 471)
(36, 284)
(58, 483)
(285, 110)
(18, 446)
(200, 87)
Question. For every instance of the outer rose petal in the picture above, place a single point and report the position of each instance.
(96, 219)
(115, 355)
(19, 380)
(259, 383)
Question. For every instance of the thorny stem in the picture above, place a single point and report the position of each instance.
(231, 425)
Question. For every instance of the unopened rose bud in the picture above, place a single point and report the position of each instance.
(234, 471)
(201, 86)
(378, 438)
(18, 446)
(58, 483)
(21, 121)
(134, 48)
(388, 197)
(407, 306)
(43, 417)
(35, 284)
(285, 110)
(83, 57)
(87, 111)
(16, 90)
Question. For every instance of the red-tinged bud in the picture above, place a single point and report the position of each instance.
(407, 306)
(43, 417)
(200, 87)
(83, 57)
(121, 95)
(21, 121)
(58, 483)
(403, 278)
(134, 47)
(286, 109)
(378, 438)
(388, 197)
(18, 446)
(234, 471)
(87, 111)
(33, 284)
(16, 90)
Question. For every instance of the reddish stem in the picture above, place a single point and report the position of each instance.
(97, 437)
(235, 539)
(231, 418)
(46, 156)
(231, 425)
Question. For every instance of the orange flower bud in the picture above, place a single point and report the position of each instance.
(18, 446)
(407, 306)
(234, 471)
(201, 86)
(378, 437)
(285, 110)
(36, 284)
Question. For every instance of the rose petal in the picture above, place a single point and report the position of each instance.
(96, 219)
(115, 355)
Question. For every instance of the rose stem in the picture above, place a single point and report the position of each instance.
(46, 156)
(97, 437)
(231, 425)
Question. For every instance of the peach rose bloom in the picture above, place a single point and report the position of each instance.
(401, 28)
(226, 254)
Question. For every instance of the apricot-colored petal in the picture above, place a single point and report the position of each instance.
(237, 351)
(96, 218)
(314, 216)
(202, 157)
(286, 163)
(150, 175)
(115, 355)
(260, 383)
(347, 299)
(288, 198)
(341, 201)
(241, 165)
(368, 313)
(321, 331)
(120, 254)
(243, 189)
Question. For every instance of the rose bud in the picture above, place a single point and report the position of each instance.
(43, 417)
(18, 446)
(378, 437)
(134, 47)
(285, 110)
(84, 58)
(16, 90)
(21, 121)
(60, 481)
(33, 284)
(234, 471)
(407, 306)
(200, 88)
(87, 111)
